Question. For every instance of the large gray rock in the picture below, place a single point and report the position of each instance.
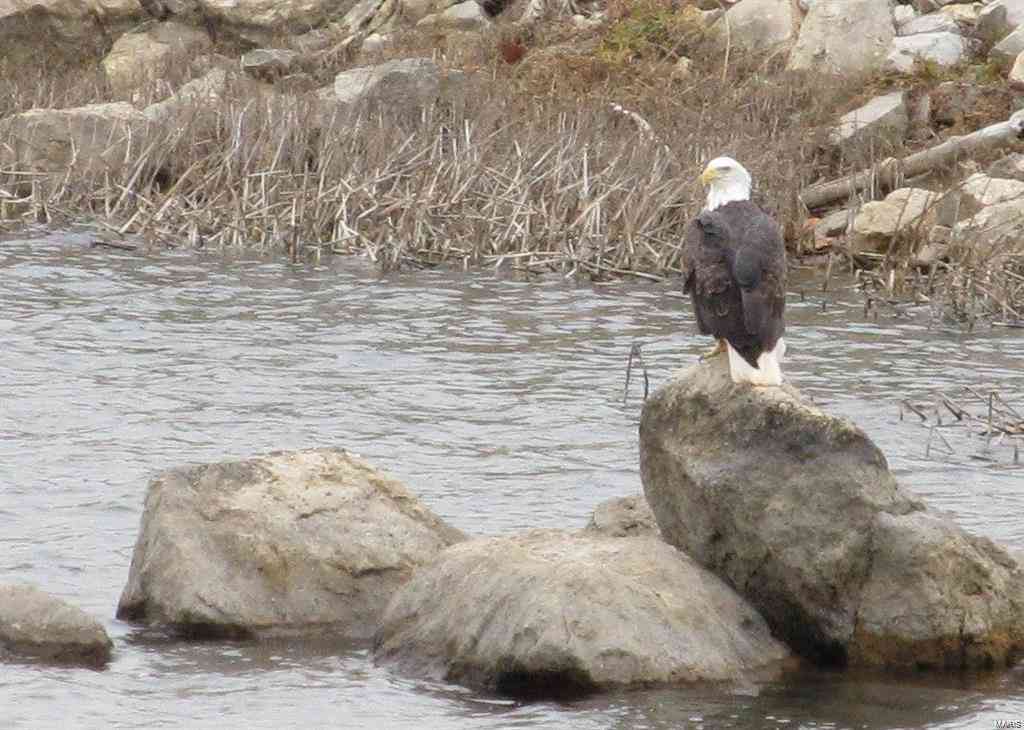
(1000, 18)
(883, 117)
(36, 625)
(844, 37)
(68, 30)
(403, 83)
(550, 610)
(797, 510)
(756, 25)
(93, 139)
(144, 56)
(941, 49)
(1005, 52)
(624, 517)
(291, 541)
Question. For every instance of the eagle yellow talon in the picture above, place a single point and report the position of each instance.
(718, 349)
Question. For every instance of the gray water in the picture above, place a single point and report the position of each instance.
(498, 401)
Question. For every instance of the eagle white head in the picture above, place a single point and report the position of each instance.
(727, 181)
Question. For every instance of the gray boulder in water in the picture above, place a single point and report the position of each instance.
(797, 510)
(35, 625)
(624, 517)
(551, 611)
(287, 542)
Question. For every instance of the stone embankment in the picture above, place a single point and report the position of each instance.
(174, 45)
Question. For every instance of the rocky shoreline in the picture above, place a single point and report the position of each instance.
(314, 128)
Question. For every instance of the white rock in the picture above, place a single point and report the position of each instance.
(931, 23)
(984, 191)
(756, 25)
(1005, 52)
(944, 49)
(883, 115)
(966, 14)
(844, 37)
(903, 14)
(878, 221)
(997, 227)
(375, 42)
(465, 16)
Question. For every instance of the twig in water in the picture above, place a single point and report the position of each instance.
(920, 414)
(635, 353)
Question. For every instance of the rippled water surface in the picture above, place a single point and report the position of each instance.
(499, 402)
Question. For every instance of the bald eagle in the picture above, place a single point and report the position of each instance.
(734, 264)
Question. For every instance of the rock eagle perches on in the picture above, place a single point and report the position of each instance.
(734, 268)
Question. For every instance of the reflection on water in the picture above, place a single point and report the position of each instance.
(499, 402)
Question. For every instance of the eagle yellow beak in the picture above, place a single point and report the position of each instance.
(708, 176)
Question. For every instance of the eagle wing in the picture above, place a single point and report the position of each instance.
(734, 264)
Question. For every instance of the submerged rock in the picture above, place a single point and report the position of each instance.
(290, 541)
(35, 625)
(551, 611)
(798, 511)
(624, 517)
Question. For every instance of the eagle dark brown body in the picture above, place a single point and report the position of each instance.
(734, 268)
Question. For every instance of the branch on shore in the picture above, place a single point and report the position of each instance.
(888, 171)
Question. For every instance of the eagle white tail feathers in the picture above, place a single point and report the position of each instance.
(768, 370)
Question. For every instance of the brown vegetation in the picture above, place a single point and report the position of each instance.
(530, 166)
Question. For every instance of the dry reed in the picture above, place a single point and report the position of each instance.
(572, 160)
